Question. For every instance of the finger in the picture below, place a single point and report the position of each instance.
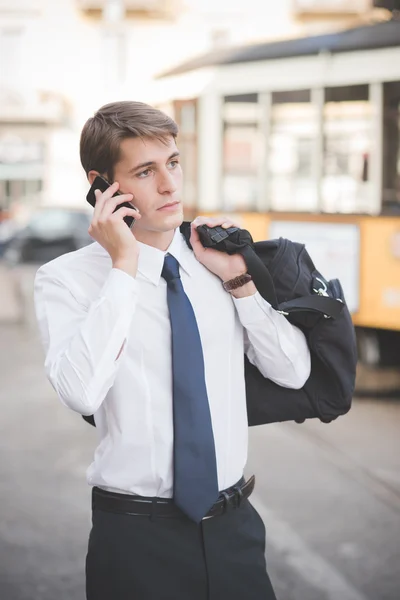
(204, 221)
(112, 203)
(101, 197)
(126, 212)
(98, 204)
(222, 221)
(227, 224)
(114, 187)
(195, 239)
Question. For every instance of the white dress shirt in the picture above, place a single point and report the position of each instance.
(87, 311)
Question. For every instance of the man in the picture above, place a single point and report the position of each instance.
(150, 336)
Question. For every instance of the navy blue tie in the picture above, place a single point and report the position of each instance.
(195, 468)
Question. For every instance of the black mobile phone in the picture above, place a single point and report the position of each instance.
(100, 183)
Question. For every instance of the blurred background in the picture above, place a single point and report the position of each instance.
(289, 116)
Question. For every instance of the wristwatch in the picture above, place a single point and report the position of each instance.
(236, 282)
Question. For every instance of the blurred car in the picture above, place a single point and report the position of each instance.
(48, 233)
(8, 228)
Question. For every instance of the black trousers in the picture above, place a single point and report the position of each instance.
(136, 558)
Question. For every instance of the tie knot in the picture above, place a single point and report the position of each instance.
(170, 269)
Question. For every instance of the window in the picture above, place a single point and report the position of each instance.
(241, 152)
(391, 147)
(346, 186)
(291, 181)
(21, 166)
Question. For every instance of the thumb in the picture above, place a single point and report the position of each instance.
(196, 244)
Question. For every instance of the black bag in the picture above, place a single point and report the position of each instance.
(286, 277)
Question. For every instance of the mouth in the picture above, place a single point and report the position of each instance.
(170, 206)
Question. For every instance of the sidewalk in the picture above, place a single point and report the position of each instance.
(16, 294)
(45, 500)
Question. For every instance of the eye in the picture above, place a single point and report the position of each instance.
(174, 163)
(144, 173)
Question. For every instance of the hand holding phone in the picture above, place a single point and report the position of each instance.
(111, 208)
(100, 183)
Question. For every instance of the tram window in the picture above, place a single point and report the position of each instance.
(347, 93)
(241, 152)
(242, 99)
(291, 182)
(291, 96)
(391, 147)
(346, 186)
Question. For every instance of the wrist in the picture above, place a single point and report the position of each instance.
(248, 289)
(240, 285)
(129, 266)
(235, 267)
(232, 275)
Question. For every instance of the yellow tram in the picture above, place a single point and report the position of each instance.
(301, 139)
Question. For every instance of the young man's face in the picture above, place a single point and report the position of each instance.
(150, 170)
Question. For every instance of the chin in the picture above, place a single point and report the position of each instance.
(172, 221)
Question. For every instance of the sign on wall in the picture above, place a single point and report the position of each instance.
(334, 248)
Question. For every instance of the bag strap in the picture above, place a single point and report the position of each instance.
(322, 304)
(260, 274)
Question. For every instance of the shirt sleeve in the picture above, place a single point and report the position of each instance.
(276, 347)
(83, 344)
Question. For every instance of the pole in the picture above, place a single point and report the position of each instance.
(114, 46)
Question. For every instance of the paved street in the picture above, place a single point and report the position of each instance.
(329, 494)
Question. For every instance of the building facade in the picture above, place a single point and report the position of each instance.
(60, 61)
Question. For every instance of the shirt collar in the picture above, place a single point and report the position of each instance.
(151, 260)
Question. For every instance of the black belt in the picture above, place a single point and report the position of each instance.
(164, 507)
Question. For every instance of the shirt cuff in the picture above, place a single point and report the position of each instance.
(120, 290)
(119, 281)
(252, 309)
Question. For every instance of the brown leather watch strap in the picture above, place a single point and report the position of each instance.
(237, 282)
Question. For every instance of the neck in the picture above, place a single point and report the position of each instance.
(157, 239)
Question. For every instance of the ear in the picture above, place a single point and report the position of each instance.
(92, 176)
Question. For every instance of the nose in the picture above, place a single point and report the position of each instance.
(166, 182)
